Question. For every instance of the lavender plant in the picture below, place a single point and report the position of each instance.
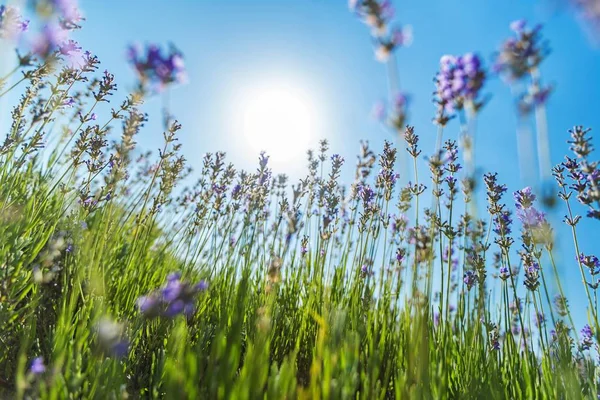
(117, 283)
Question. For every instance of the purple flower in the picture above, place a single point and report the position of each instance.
(148, 305)
(175, 297)
(469, 278)
(11, 22)
(520, 54)
(69, 48)
(69, 102)
(401, 37)
(540, 319)
(111, 337)
(366, 194)
(460, 79)
(174, 308)
(591, 262)
(587, 338)
(504, 273)
(502, 223)
(155, 68)
(532, 271)
(37, 366)
(235, 192)
(400, 254)
(51, 37)
(531, 218)
(202, 286)
(67, 11)
(172, 290)
(375, 13)
(120, 348)
(436, 319)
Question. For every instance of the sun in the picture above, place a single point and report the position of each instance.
(279, 119)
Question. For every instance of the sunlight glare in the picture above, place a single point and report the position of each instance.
(280, 120)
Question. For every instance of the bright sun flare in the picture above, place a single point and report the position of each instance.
(279, 120)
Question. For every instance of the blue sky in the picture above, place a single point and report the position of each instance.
(320, 46)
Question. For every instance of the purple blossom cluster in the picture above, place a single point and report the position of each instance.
(540, 319)
(37, 366)
(366, 271)
(470, 279)
(174, 298)
(459, 80)
(532, 271)
(375, 13)
(12, 23)
(504, 272)
(583, 173)
(518, 58)
(591, 262)
(399, 37)
(521, 54)
(530, 217)
(587, 338)
(60, 17)
(111, 338)
(156, 68)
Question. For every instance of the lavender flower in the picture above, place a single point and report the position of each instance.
(174, 298)
(111, 337)
(540, 319)
(37, 366)
(524, 198)
(365, 270)
(52, 38)
(520, 54)
(504, 273)
(534, 221)
(374, 13)
(11, 22)
(399, 37)
(584, 173)
(155, 68)
(459, 81)
(470, 279)
(591, 262)
(587, 338)
(532, 271)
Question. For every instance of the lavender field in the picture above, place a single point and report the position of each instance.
(452, 257)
